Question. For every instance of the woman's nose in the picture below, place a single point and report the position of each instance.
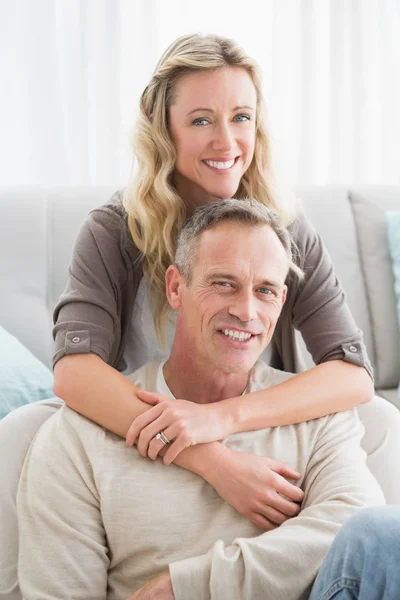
(224, 139)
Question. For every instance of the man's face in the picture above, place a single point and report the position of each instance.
(228, 312)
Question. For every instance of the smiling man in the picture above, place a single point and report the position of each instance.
(99, 521)
(227, 303)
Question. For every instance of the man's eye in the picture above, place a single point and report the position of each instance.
(266, 291)
(223, 284)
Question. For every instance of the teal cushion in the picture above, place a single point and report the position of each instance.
(393, 227)
(23, 378)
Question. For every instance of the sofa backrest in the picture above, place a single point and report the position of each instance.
(37, 231)
(38, 227)
(351, 221)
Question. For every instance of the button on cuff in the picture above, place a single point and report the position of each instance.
(353, 353)
(77, 342)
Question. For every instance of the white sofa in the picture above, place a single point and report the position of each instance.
(38, 226)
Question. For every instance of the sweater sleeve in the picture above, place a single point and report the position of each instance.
(87, 318)
(318, 305)
(62, 542)
(283, 563)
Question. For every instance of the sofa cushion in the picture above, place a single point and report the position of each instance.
(391, 395)
(393, 227)
(23, 378)
(370, 204)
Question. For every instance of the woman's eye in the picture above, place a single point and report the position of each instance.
(200, 122)
(242, 118)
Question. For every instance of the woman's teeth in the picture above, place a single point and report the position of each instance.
(220, 165)
(240, 336)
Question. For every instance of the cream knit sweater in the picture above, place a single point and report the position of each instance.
(97, 521)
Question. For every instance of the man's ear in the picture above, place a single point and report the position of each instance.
(284, 294)
(173, 286)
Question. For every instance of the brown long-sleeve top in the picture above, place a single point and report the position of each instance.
(94, 312)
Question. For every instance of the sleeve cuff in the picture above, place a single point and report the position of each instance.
(191, 577)
(355, 354)
(352, 352)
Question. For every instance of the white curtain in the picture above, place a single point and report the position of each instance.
(71, 74)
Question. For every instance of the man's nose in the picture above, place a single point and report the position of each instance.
(243, 306)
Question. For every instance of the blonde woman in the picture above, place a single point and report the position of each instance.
(201, 135)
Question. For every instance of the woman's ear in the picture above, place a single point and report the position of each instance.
(173, 285)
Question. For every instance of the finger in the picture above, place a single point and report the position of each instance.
(141, 422)
(289, 490)
(150, 432)
(180, 439)
(155, 445)
(150, 397)
(261, 522)
(273, 515)
(174, 449)
(155, 448)
(132, 434)
(285, 470)
(282, 505)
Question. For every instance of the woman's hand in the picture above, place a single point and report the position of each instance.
(184, 423)
(256, 486)
(159, 588)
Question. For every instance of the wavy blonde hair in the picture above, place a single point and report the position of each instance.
(155, 210)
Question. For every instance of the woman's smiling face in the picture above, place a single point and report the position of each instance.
(212, 125)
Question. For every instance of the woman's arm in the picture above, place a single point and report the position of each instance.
(253, 485)
(97, 391)
(327, 388)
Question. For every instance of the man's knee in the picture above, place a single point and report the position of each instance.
(372, 526)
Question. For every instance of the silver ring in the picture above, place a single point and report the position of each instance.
(161, 436)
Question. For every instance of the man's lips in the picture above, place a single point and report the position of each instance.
(234, 342)
(237, 337)
(238, 330)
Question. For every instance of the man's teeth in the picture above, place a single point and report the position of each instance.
(220, 165)
(240, 336)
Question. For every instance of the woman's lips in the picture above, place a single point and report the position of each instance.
(220, 165)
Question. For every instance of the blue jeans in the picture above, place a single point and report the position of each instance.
(363, 562)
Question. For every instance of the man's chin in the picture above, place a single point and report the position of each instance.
(236, 365)
(233, 357)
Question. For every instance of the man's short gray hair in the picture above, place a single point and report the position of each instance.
(249, 212)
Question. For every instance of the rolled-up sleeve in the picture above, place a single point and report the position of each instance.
(87, 316)
(318, 305)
